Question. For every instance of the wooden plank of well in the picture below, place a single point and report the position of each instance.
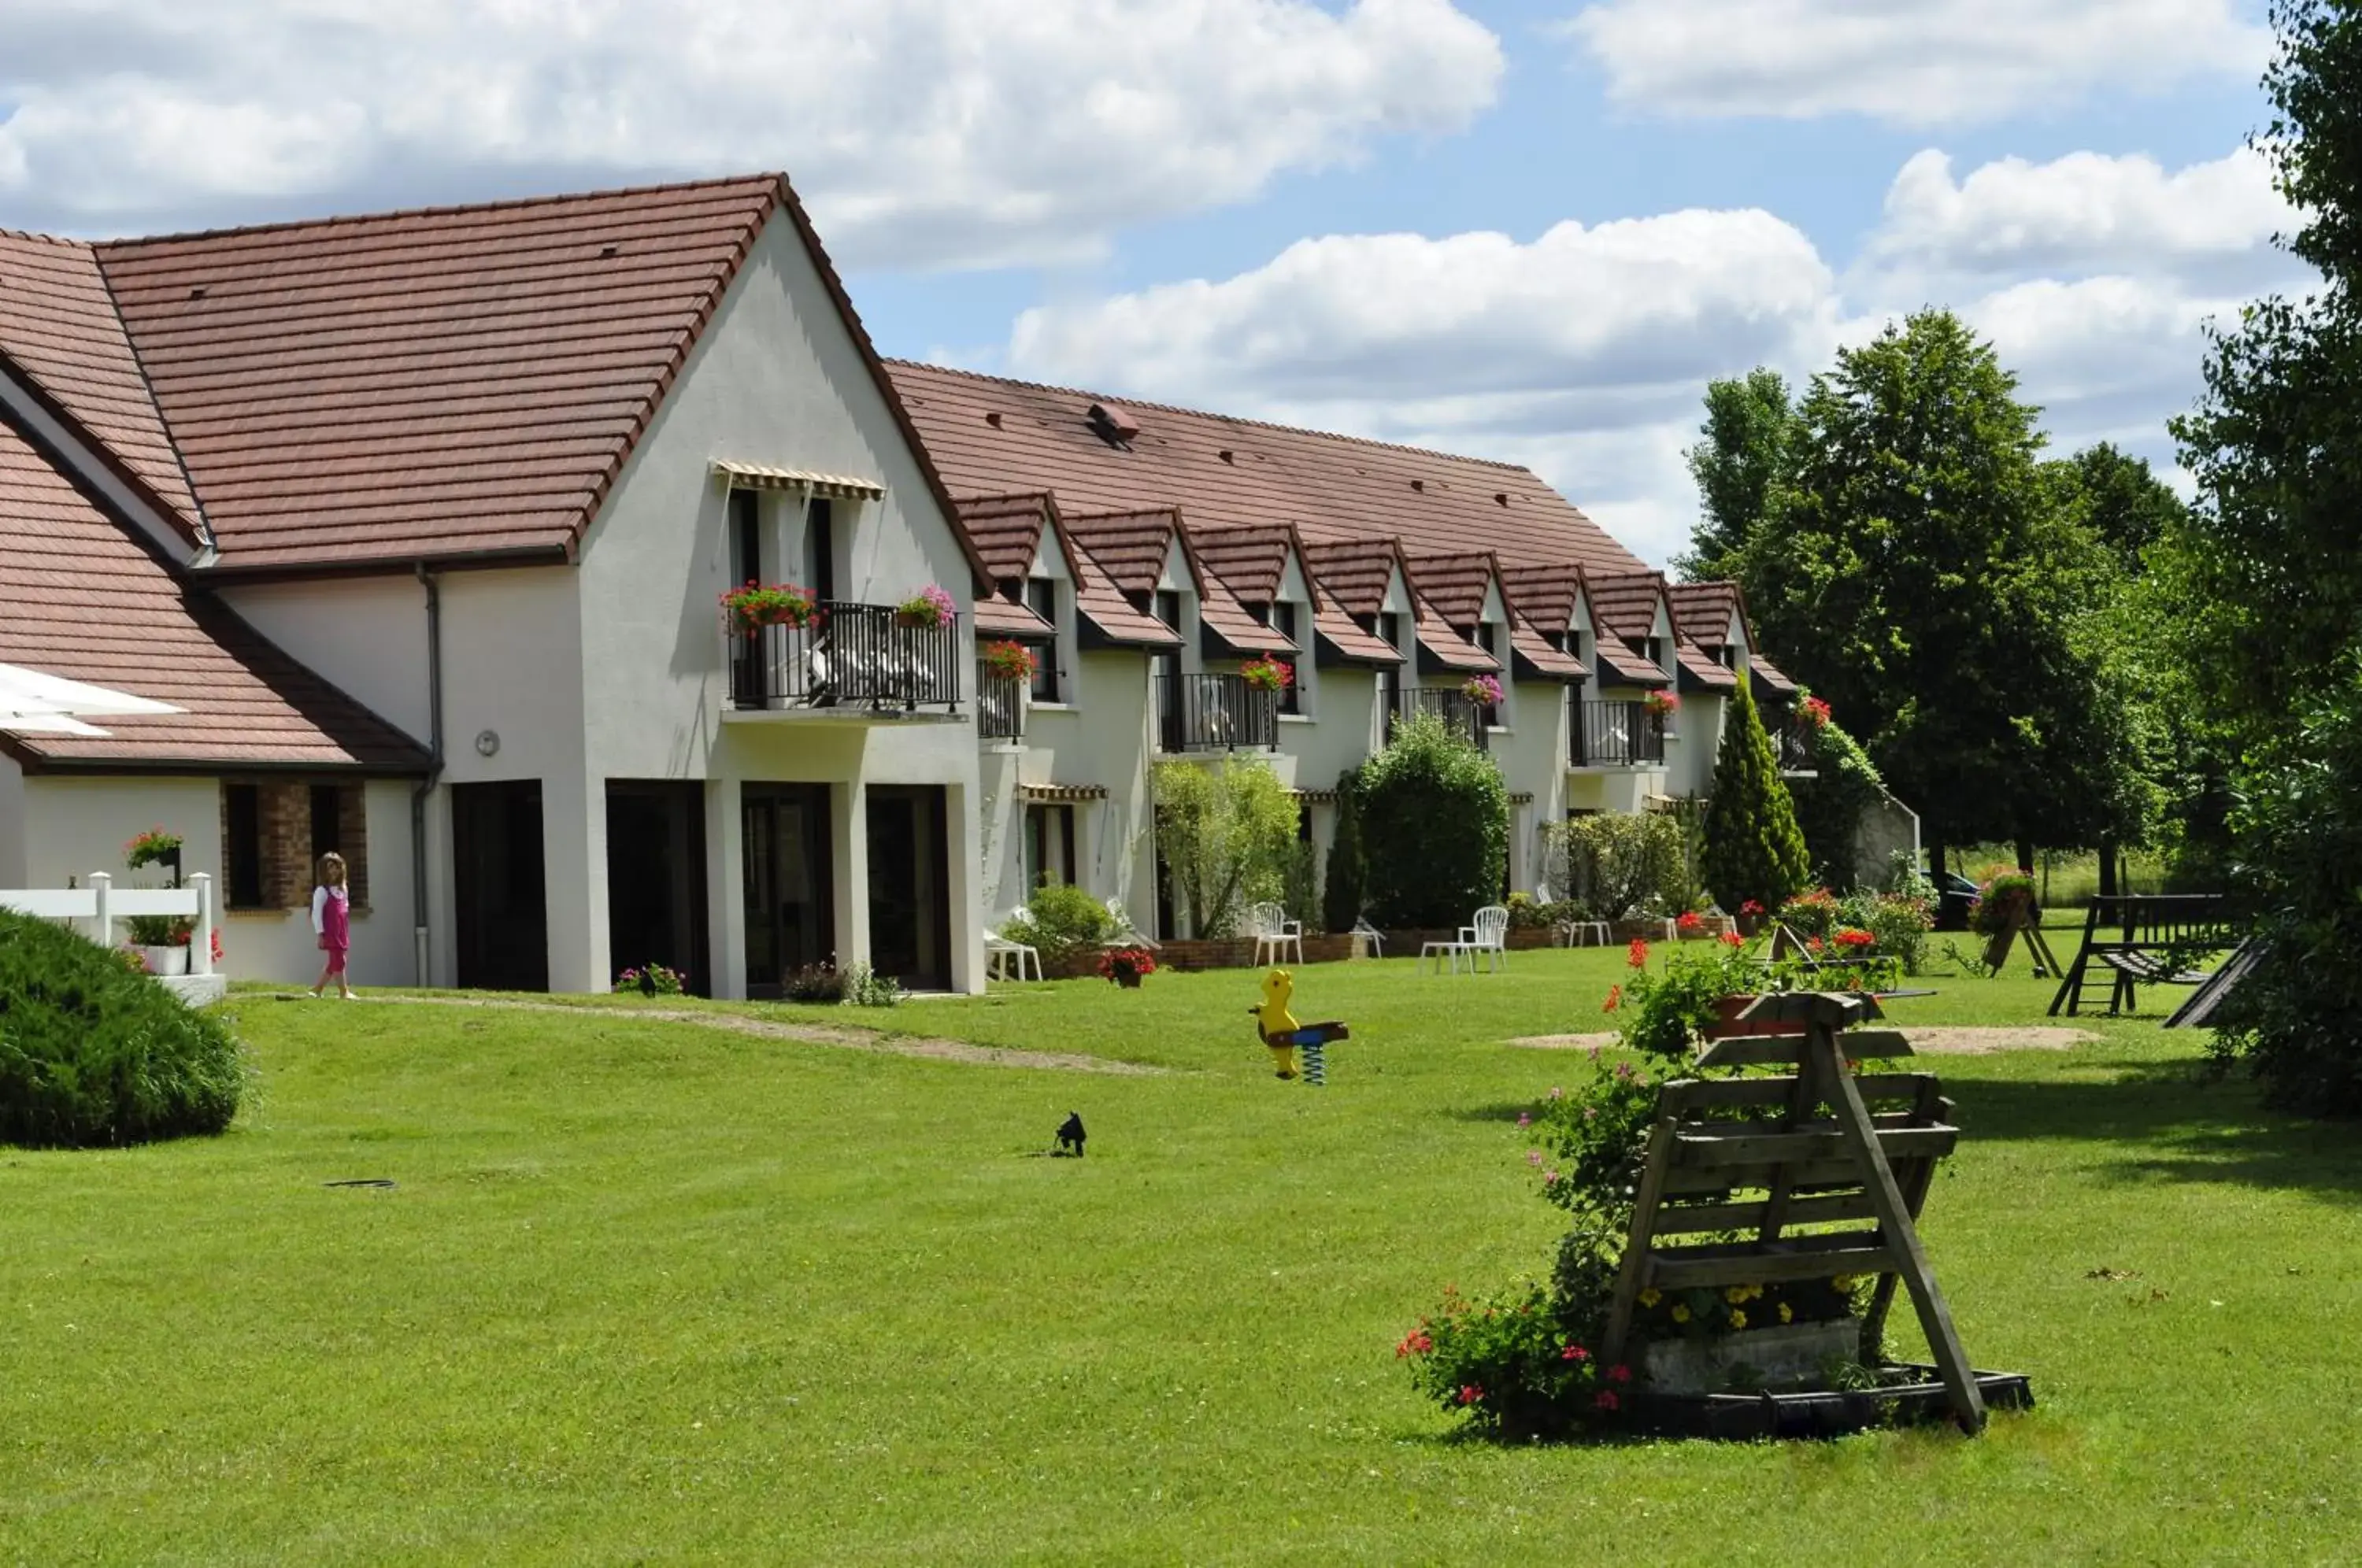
(1689, 1219)
(1629, 1278)
(1718, 1150)
(1692, 1181)
(1895, 1224)
(1708, 1094)
(1672, 1271)
(1782, 1050)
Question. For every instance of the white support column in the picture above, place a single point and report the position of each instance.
(200, 936)
(725, 888)
(849, 833)
(101, 922)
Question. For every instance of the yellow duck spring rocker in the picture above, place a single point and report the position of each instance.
(1284, 1036)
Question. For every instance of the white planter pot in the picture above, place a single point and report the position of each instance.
(1790, 1353)
(166, 960)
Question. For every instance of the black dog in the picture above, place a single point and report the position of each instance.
(1070, 1135)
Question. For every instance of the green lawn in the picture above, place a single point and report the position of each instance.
(654, 1292)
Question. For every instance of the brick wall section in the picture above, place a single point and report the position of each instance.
(289, 872)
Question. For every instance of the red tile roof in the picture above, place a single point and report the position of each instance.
(1453, 651)
(1545, 594)
(1763, 670)
(1353, 574)
(1251, 562)
(57, 326)
(80, 598)
(1006, 531)
(1228, 472)
(1528, 645)
(1620, 666)
(996, 617)
(1454, 586)
(1342, 633)
(1133, 546)
(1626, 605)
(1703, 611)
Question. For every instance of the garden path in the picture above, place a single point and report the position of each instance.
(929, 1049)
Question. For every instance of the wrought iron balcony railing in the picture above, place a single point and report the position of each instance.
(1215, 713)
(1000, 706)
(1616, 734)
(1459, 712)
(849, 656)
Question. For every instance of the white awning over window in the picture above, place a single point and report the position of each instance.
(803, 481)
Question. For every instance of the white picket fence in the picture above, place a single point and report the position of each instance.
(97, 907)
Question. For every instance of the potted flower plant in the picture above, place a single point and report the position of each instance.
(1267, 674)
(162, 941)
(1005, 660)
(1697, 995)
(1662, 703)
(1812, 712)
(154, 847)
(931, 606)
(1481, 689)
(1126, 966)
(2007, 893)
(756, 605)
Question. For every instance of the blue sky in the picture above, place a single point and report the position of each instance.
(1523, 228)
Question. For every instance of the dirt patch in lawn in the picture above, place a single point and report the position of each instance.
(961, 1051)
(1932, 1040)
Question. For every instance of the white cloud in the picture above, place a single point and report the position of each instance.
(1916, 62)
(2086, 212)
(921, 131)
(1584, 353)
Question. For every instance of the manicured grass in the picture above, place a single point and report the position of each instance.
(649, 1292)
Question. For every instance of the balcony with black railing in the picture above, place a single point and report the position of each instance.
(999, 705)
(1797, 746)
(1616, 734)
(1462, 714)
(1215, 713)
(848, 659)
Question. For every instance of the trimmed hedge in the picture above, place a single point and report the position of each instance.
(1435, 827)
(94, 1053)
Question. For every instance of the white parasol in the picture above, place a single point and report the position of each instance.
(34, 703)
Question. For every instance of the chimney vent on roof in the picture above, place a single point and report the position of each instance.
(1500, 498)
(609, 252)
(1227, 455)
(993, 419)
(1420, 485)
(198, 293)
(1114, 424)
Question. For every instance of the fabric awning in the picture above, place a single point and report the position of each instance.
(1620, 666)
(1531, 654)
(1452, 651)
(1225, 619)
(1339, 632)
(1769, 678)
(1062, 791)
(803, 481)
(996, 617)
(1699, 673)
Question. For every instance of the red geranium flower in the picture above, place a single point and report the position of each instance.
(1732, 939)
(1574, 1352)
(1470, 1393)
(1614, 999)
(1637, 955)
(1619, 1373)
(1752, 907)
(1607, 1400)
(1854, 936)
(1688, 922)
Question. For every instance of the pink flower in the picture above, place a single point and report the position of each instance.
(1470, 1393)
(1619, 1373)
(1607, 1400)
(1574, 1352)
(1525, 1119)
(1534, 1157)
(1549, 1178)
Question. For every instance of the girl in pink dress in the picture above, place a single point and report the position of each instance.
(332, 923)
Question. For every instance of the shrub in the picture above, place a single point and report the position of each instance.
(652, 980)
(1342, 892)
(1513, 1366)
(865, 986)
(2295, 1021)
(1061, 922)
(1753, 848)
(1525, 914)
(1898, 922)
(1300, 886)
(1435, 824)
(1226, 834)
(1813, 913)
(92, 1052)
(1616, 863)
(814, 983)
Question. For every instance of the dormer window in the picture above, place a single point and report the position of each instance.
(1653, 650)
(1041, 598)
(1282, 619)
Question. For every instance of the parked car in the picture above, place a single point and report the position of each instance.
(1954, 895)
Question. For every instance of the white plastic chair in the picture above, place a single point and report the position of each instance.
(1371, 935)
(1489, 936)
(1275, 933)
(1127, 933)
(998, 950)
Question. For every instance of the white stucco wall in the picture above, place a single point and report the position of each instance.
(76, 824)
(776, 380)
(366, 636)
